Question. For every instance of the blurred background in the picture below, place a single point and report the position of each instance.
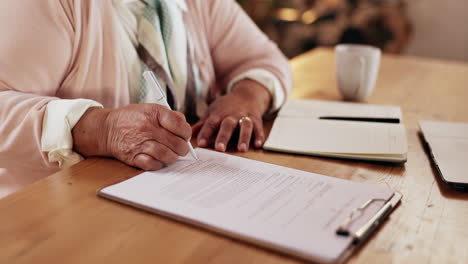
(428, 28)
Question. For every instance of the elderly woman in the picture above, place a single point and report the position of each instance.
(71, 85)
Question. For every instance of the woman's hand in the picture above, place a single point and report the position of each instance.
(147, 136)
(244, 107)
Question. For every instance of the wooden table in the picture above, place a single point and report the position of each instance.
(61, 220)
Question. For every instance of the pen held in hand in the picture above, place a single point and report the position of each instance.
(161, 97)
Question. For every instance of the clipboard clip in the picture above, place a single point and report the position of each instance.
(344, 228)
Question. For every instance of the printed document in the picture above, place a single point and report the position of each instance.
(293, 211)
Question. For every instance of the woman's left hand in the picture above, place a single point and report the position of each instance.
(243, 107)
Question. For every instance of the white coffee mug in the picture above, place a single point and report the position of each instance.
(357, 67)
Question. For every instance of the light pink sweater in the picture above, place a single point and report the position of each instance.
(67, 49)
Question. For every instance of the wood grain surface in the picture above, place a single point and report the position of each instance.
(61, 220)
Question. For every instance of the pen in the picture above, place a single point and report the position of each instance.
(362, 119)
(151, 79)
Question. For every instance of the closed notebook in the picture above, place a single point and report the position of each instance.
(448, 143)
(340, 130)
(299, 213)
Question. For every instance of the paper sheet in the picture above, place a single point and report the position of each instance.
(294, 211)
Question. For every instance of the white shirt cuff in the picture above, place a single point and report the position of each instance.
(59, 119)
(268, 80)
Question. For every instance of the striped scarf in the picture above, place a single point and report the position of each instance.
(156, 31)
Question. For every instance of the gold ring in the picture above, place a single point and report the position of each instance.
(243, 119)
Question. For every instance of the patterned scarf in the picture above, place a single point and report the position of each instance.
(157, 32)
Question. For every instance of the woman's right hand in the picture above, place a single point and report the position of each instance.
(147, 136)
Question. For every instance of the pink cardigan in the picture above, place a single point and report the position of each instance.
(67, 49)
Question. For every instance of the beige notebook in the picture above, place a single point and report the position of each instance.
(295, 212)
(341, 130)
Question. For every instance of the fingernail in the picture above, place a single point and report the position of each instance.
(243, 147)
(220, 147)
(258, 143)
(202, 143)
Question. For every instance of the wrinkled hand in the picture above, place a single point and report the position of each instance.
(147, 136)
(247, 99)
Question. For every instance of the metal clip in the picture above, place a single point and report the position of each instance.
(343, 229)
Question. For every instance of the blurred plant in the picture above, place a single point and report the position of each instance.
(300, 25)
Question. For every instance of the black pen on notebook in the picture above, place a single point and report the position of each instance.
(151, 79)
(362, 119)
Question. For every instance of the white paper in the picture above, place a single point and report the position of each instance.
(290, 210)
